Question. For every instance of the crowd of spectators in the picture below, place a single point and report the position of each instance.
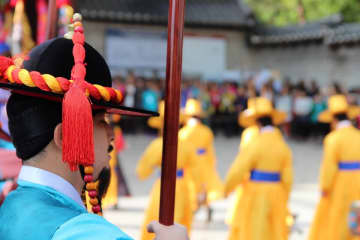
(223, 101)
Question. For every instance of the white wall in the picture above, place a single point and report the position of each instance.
(308, 62)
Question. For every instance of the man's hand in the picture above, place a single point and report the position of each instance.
(162, 232)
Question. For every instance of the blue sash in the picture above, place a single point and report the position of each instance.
(262, 176)
(180, 173)
(349, 166)
(201, 151)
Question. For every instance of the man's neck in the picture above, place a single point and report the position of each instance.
(74, 178)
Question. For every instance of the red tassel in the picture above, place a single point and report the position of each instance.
(77, 128)
(77, 125)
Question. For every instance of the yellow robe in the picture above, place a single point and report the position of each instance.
(263, 204)
(111, 197)
(207, 178)
(150, 161)
(247, 136)
(341, 187)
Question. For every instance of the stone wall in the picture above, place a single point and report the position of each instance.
(311, 62)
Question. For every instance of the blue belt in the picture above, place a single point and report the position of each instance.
(349, 166)
(262, 176)
(201, 151)
(180, 173)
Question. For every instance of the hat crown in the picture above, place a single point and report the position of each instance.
(338, 104)
(251, 103)
(263, 106)
(193, 107)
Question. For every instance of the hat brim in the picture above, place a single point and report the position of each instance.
(248, 118)
(327, 116)
(156, 122)
(96, 105)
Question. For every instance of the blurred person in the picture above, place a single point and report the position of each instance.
(150, 96)
(185, 92)
(129, 124)
(339, 172)
(151, 160)
(51, 182)
(140, 123)
(319, 128)
(228, 111)
(215, 100)
(314, 89)
(195, 89)
(119, 84)
(335, 88)
(241, 100)
(284, 103)
(204, 98)
(270, 173)
(303, 105)
(130, 90)
(267, 92)
(209, 185)
(140, 88)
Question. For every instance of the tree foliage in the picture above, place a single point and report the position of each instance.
(285, 12)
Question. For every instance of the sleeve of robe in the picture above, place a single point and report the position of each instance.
(240, 167)
(150, 160)
(89, 226)
(329, 166)
(287, 172)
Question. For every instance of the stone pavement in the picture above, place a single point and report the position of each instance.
(307, 158)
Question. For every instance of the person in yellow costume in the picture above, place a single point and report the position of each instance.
(247, 136)
(339, 173)
(151, 160)
(209, 186)
(266, 175)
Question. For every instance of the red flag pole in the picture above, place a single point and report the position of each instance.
(51, 20)
(172, 103)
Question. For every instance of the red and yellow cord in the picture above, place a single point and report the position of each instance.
(59, 85)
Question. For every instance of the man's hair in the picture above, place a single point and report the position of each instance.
(265, 121)
(32, 122)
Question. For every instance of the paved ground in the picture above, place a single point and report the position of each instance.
(307, 157)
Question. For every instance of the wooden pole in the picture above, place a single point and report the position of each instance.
(51, 20)
(172, 103)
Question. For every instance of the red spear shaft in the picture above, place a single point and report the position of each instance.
(172, 103)
(51, 20)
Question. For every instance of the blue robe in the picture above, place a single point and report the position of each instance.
(36, 212)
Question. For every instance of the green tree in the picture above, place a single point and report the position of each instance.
(285, 12)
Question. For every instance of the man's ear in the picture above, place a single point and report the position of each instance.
(58, 136)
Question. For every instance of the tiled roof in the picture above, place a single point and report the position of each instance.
(345, 34)
(272, 36)
(297, 34)
(208, 13)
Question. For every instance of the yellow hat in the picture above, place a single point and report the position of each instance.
(250, 107)
(260, 107)
(193, 108)
(338, 104)
(158, 122)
